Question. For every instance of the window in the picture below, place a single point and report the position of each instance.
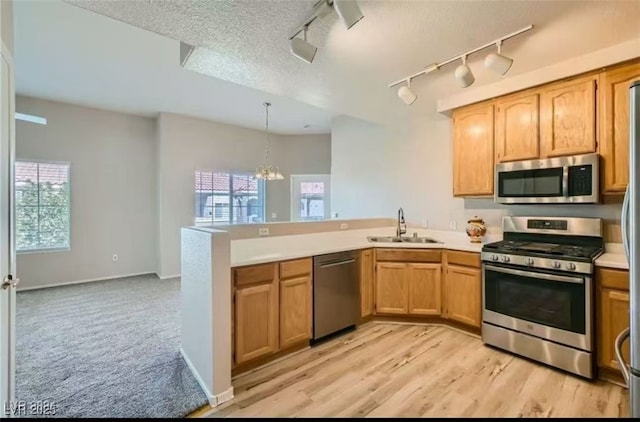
(310, 197)
(42, 206)
(228, 198)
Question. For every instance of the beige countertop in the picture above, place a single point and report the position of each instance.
(280, 248)
(613, 257)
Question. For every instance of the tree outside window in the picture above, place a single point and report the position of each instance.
(42, 197)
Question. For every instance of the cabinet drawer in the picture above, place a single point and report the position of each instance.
(255, 274)
(614, 279)
(295, 268)
(409, 255)
(466, 259)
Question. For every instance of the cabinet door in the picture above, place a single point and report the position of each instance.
(568, 117)
(614, 125)
(464, 294)
(295, 311)
(425, 289)
(391, 289)
(256, 321)
(614, 317)
(517, 134)
(366, 282)
(473, 151)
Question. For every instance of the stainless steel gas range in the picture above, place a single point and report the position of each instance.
(537, 290)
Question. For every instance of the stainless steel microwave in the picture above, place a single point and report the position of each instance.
(573, 179)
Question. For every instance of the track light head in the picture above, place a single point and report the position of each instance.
(302, 49)
(406, 94)
(463, 74)
(348, 11)
(497, 62)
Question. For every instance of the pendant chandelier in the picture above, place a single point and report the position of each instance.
(266, 171)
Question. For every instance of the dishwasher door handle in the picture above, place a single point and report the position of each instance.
(335, 263)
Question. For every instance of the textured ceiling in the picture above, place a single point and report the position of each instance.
(246, 42)
(69, 54)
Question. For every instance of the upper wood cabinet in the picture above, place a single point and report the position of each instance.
(366, 282)
(463, 294)
(516, 127)
(473, 150)
(391, 288)
(425, 289)
(568, 117)
(614, 125)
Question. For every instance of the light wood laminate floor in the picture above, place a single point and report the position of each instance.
(408, 370)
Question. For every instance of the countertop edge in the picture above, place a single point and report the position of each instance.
(472, 248)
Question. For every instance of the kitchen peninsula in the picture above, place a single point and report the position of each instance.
(248, 301)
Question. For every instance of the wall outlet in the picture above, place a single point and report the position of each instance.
(263, 231)
(114, 257)
(452, 225)
(274, 215)
(344, 226)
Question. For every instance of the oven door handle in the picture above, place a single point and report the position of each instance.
(551, 277)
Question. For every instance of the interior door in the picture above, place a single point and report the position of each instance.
(310, 197)
(7, 247)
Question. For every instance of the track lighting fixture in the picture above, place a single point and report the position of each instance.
(463, 74)
(302, 49)
(497, 62)
(406, 94)
(348, 11)
(494, 61)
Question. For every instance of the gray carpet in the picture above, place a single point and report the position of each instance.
(105, 349)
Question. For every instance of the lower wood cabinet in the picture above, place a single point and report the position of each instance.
(612, 314)
(295, 310)
(256, 321)
(391, 288)
(425, 289)
(366, 282)
(273, 308)
(408, 288)
(463, 294)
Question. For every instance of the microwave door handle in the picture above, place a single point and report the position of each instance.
(565, 181)
(618, 348)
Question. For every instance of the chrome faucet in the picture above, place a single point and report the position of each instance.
(402, 227)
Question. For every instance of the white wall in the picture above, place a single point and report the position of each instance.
(6, 23)
(113, 190)
(376, 170)
(186, 144)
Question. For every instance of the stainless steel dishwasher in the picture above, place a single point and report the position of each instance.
(336, 292)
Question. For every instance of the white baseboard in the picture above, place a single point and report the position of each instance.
(214, 399)
(89, 280)
(225, 396)
(164, 277)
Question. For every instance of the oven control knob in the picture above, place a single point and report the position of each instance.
(571, 266)
(506, 259)
(556, 264)
(529, 261)
(494, 258)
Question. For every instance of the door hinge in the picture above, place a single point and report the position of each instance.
(9, 281)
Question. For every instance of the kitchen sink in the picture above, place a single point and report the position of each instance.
(419, 240)
(393, 239)
(384, 239)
